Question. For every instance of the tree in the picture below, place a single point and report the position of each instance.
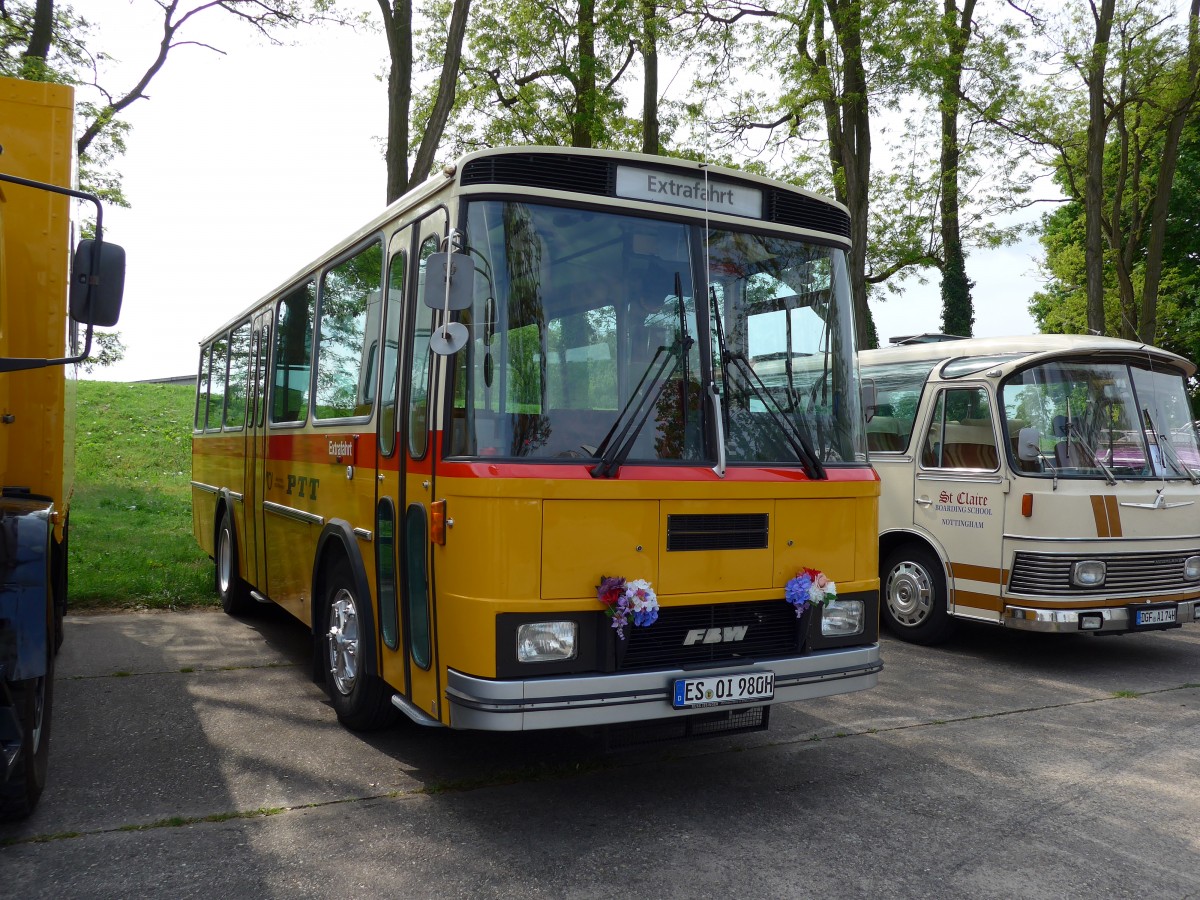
(548, 74)
(398, 26)
(44, 42)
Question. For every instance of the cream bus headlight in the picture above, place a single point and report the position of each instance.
(843, 617)
(1088, 573)
(546, 641)
(1191, 568)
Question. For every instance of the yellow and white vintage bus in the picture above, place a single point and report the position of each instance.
(506, 450)
(1047, 483)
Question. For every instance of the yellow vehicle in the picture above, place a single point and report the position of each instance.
(509, 451)
(1045, 483)
(48, 306)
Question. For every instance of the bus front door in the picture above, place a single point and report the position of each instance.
(403, 507)
(959, 499)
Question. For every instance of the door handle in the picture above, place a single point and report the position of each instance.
(924, 501)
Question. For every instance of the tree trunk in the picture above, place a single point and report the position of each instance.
(584, 118)
(848, 123)
(1148, 326)
(397, 25)
(1094, 175)
(650, 139)
(440, 114)
(33, 64)
(958, 316)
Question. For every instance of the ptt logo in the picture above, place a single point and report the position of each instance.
(944, 497)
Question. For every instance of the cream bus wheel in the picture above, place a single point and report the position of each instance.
(914, 594)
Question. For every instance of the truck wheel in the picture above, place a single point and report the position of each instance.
(32, 700)
(360, 698)
(235, 595)
(914, 594)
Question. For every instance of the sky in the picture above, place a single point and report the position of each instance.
(243, 167)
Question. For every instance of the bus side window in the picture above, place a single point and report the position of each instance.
(418, 398)
(202, 391)
(393, 318)
(961, 434)
(216, 384)
(293, 356)
(349, 291)
(239, 377)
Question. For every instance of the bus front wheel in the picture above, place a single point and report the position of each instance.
(914, 593)
(359, 696)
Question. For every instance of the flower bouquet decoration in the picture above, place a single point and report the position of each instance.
(628, 602)
(810, 587)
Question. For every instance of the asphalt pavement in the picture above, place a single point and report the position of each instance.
(192, 756)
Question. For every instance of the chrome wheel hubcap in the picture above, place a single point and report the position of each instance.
(225, 561)
(909, 594)
(343, 641)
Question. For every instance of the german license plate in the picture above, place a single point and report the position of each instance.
(1156, 616)
(717, 690)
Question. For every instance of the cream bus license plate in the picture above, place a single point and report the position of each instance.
(715, 690)
(1156, 616)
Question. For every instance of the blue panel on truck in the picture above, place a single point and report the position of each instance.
(25, 611)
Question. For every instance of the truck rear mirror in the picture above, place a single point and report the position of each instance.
(1029, 445)
(97, 283)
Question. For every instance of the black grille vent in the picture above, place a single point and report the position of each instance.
(770, 629)
(748, 531)
(551, 171)
(806, 212)
(590, 175)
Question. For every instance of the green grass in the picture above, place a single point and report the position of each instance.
(131, 541)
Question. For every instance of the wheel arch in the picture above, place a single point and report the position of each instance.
(337, 543)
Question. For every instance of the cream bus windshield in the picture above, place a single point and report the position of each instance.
(1088, 416)
(588, 327)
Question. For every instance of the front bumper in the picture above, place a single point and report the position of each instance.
(1113, 620)
(577, 701)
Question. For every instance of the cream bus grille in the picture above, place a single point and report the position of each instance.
(1126, 573)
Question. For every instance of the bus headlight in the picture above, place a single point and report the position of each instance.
(1088, 573)
(546, 641)
(1191, 568)
(842, 617)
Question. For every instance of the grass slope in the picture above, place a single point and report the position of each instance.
(131, 516)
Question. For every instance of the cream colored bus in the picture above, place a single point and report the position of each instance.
(1045, 483)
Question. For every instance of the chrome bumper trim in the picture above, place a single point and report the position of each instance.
(576, 701)
(1066, 621)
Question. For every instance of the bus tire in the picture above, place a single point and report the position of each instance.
(359, 696)
(913, 584)
(32, 701)
(235, 595)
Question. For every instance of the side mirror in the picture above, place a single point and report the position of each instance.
(869, 398)
(1029, 445)
(97, 283)
(449, 278)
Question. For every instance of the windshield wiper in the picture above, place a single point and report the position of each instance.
(800, 444)
(618, 443)
(1072, 428)
(1164, 443)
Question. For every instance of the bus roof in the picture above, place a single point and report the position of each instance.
(1020, 348)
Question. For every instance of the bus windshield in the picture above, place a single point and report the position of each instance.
(588, 331)
(1090, 416)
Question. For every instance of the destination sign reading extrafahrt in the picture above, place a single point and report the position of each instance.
(715, 196)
